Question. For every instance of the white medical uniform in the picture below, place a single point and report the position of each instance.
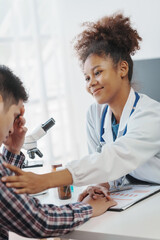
(136, 153)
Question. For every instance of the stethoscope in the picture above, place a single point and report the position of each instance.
(102, 142)
(122, 186)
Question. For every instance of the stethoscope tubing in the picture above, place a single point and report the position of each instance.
(137, 97)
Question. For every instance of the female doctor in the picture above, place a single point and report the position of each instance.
(123, 126)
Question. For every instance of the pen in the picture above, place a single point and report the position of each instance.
(118, 189)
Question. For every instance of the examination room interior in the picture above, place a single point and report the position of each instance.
(36, 43)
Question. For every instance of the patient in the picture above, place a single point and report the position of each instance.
(24, 214)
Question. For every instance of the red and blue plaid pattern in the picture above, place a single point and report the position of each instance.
(26, 216)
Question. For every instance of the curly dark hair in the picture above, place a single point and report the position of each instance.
(110, 36)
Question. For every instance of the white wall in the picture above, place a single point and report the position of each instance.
(145, 17)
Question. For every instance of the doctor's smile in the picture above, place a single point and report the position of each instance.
(96, 91)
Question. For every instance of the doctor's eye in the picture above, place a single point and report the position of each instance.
(87, 79)
(97, 73)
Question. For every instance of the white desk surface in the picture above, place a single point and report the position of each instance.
(141, 221)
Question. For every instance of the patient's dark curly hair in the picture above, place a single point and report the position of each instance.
(110, 36)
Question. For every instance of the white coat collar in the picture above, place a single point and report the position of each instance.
(108, 135)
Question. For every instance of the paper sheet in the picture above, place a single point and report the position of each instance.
(129, 197)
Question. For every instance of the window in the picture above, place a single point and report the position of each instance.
(30, 46)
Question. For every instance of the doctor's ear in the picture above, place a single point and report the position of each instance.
(123, 68)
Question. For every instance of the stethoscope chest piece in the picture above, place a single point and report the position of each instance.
(99, 148)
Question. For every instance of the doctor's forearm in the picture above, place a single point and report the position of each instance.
(59, 178)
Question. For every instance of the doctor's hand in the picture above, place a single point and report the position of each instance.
(99, 205)
(25, 182)
(15, 140)
(95, 192)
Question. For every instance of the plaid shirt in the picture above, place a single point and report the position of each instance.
(26, 216)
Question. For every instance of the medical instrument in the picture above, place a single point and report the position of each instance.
(99, 147)
(30, 143)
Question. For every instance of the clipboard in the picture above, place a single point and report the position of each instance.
(130, 197)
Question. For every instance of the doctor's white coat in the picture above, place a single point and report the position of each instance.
(137, 152)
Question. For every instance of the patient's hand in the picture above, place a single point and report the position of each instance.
(95, 192)
(99, 205)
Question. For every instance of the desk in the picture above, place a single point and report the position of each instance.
(139, 222)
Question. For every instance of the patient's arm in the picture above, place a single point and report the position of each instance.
(99, 205)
